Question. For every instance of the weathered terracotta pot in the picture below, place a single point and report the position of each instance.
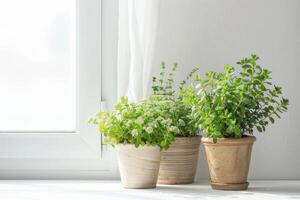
(179, 163)
(138, 166)
(228, 162)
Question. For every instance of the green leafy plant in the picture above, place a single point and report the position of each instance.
(144, 123)
(180, 114)
(233, 104)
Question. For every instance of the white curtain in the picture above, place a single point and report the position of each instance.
(137, 33)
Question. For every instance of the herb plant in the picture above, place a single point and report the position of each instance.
(180, 113)
(144, 123)
(233, 104)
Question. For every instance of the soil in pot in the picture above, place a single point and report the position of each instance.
(179, 163)
(228, 162)
(138, 166)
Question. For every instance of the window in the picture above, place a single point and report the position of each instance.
(50, 84)
(38, 65)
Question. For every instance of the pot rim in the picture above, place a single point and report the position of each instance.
(198, 136)
(132, 146)
(229, 141)
(193, 140)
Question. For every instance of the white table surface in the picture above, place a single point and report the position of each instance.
(111, 190)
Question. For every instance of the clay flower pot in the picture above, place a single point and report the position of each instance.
(179, 163)
(138, 166)
(228, 162)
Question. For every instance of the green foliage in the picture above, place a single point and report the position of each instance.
(145, 123)
(180, 113)
(232, 104)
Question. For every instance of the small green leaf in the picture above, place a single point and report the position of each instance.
(259, 128)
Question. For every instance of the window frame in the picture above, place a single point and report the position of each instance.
(52, 154)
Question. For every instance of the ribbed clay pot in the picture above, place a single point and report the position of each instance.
(228, 162)
(138, 166)
(179, 163)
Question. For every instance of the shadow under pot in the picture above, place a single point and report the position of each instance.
(138, 166)
(179, 163)
(228, 162)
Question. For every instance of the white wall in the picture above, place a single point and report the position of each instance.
(211, 33)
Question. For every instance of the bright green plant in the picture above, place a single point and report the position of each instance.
(144, 123)
(233, 104)
(180, 113)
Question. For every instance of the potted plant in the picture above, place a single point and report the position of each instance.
(179, 162)
(228, 107)
(139, 131)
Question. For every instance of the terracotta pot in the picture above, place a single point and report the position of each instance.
(179, 163)
(138, 166)
(228, 162)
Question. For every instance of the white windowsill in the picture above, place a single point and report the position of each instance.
(112, 190)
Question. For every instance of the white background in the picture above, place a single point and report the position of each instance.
(211, 33)
(38, 65)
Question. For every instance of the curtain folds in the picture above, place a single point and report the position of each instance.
(138, 21)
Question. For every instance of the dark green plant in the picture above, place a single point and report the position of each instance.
(180, 114)
(233, 104)
(144, 123)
